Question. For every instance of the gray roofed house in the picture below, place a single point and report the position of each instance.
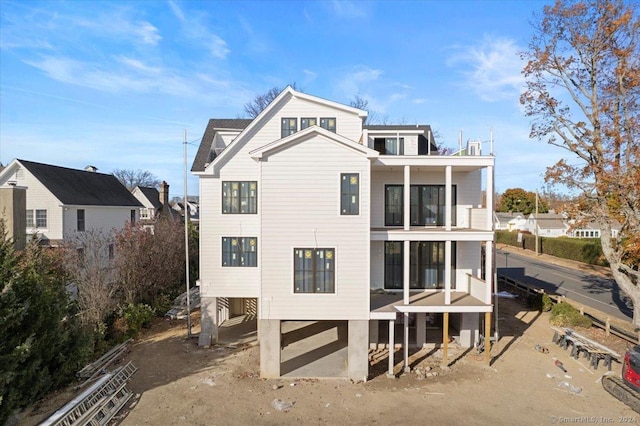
(62, 200)
(547, 224)
(154, 202)
(215, 129)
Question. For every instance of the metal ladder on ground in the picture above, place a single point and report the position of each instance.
(98, 404)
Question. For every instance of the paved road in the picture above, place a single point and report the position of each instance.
(590, 290)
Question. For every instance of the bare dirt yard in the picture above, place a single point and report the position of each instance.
(180, 383)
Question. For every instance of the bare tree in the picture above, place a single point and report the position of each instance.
(363, 104)
(583, 92)
(88, 259)
(260, 102)
(132, 178)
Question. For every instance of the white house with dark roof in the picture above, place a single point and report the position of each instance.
(340, 237)
(61, 201)
(547, 225)
(155, 202)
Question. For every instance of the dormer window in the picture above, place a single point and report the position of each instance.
(289, 127)
(328, 123)
(308, 122)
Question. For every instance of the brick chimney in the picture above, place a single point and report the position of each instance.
(164, 193)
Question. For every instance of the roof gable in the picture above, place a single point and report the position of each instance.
(267, 113)
(151, 194)
(205, 153)
(306, 134)
(79, 187)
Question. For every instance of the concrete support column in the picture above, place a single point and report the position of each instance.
(208, 321)
(358, 354)
(447, 198)
(392, 327)
(445, 338)
(469, 329)
(405, 345)
(421, 329)
(447, 272)
(374, 334)
(270, 348)
(488, 271)
(487, 338)
(407, 198)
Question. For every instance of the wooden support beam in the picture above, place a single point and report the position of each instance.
(445, 338)
(487, 337)
(391, 348)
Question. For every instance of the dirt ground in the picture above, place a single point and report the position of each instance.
(180, 383)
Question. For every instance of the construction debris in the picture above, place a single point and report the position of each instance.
(179, 308)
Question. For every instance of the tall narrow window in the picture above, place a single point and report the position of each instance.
(289, 126)
(308, 122)
(239, 251)
(328, 123)
(30, 219)
(41, 218)
(111, 252)
(393, 205)
(314, 270)
(80, 220)
(393, 264)
(349, 193)
(133, 216)
(427, 264)
(239, 197)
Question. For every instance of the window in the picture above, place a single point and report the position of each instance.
(239, 251)
(349, 193)
(308, 122)
(239, 197)
(80, 219)
(393, 264)
(328, 123)
(30, 222)
(41, 218)
(111, 252)
(428, 205)
(314, 270)
(389, 146)
(289, 126)
(133, 216)
(427, 264)
(393, 205)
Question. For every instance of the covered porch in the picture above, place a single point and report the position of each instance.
(429, 317)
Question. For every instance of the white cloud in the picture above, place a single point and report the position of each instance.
(348, 9)
(491, 69)
(177, 11)
(218, 47)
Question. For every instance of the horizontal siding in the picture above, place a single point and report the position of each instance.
(300, 208)
(215, 280)
(105, 218)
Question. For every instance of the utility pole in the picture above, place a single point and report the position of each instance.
(537, 233)
(186, 236)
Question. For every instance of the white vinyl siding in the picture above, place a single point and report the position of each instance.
(311, 170)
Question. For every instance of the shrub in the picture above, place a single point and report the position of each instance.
(130, 319)
(565, 315)
(539, 301)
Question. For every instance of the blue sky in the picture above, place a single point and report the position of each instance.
(115, 84)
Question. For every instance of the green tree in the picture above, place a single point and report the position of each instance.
(517, 200)
(583, 94)
(42, 343)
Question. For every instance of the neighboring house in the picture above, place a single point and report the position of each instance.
(61, 201)
(590, 230)
(324, 227)
(509, 221)
(547, 225)
(194, 210)
(153, 202)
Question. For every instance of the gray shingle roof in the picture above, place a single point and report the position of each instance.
(153, 195)
(205, 152)
(82, 188)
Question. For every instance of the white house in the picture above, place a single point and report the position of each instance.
(547, 225)
(153, 202)
(509, 221)
(353, 234)
(61, 201)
